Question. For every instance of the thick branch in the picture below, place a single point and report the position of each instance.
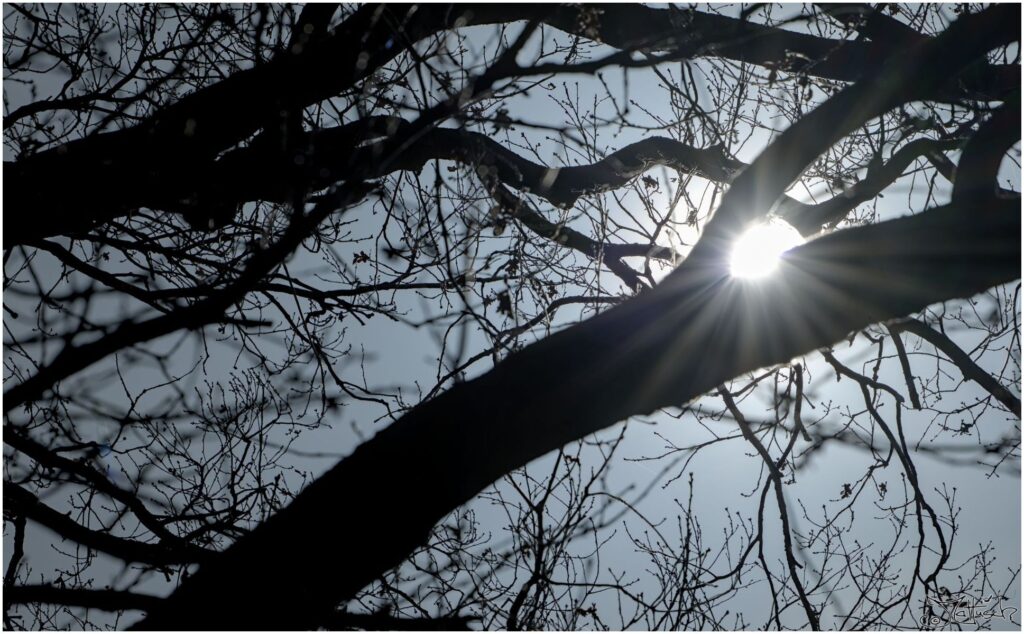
(809, 219)
(916, 75)
(382, 621)
(17, 553)
(366, 514)
(73, 358)
(104, 176)
(873, 23)
(118, 600)
(254, 174)
(108, 175)
(259, 173)
(109, 600)
(976, 175)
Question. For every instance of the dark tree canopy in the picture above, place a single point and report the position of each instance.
(428, 317)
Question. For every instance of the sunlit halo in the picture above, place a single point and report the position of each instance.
(756, 252)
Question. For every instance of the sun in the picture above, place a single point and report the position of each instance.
(756, 253)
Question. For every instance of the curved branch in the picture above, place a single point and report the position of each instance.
(663, 347)
(780, 499)
(873, 23)
(46, 458)
(259, 172)
(915, 75)
(976, 175)
(106, 175)
(809, 219)
(522, 211)
(108, 600)
(17, 553)
(962, 360)
(383, 621)
(23, 502)
(71, 359)
(117, 600)
(253, 174)
(908, 376)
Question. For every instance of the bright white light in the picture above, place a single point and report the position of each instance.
(756, 252)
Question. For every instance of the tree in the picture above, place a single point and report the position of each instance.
(208, 210)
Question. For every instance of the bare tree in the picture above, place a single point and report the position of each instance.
(217, 218)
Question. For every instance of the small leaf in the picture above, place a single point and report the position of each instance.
(504, 303)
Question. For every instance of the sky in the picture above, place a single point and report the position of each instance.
(724, 474)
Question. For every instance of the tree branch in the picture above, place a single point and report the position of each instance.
(90, 476)
(385, 622)
(104, 176)
(11, 574)
(809, 219)
(962, 360)
(109, 600)
(976, 175)
(901, 352)
(21, 501)
(915, 75)
(629, 360)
